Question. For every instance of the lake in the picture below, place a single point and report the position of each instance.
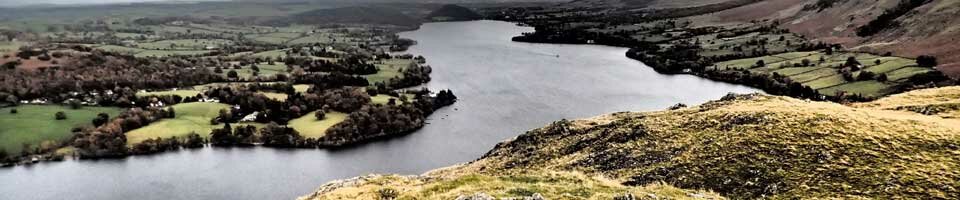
(505, 88)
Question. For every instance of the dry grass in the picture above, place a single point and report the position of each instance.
(745, 146)
(942, 102)
(551, 185)
(756, 146)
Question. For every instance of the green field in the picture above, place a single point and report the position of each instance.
(34, 124)
(266, 70)
(384, 99)
(272, 54)
(301, 88)
(390, 68)
(826, 78)
(311, 39)
(310, 127)
(163, 53)
(181, 93)
(208, 86)
(9, 46)
(185, 44)
(190, 117)
(270, 70)
(275, 96)
(147, 53)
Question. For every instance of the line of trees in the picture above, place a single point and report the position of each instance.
(98, 71)
(109, 139)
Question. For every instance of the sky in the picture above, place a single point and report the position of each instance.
(67, 2)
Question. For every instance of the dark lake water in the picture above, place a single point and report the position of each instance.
(505, 88)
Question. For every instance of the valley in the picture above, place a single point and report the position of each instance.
(480, 100)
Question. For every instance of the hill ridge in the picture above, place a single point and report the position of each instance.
(742, 146)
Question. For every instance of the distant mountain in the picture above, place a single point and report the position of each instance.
(651, 4)
(352, 15)
(908, 28)
(452, 12)
(54, 3)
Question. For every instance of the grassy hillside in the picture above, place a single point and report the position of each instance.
(826, 76)
(924, 30)
(941, 102)
(743, 146)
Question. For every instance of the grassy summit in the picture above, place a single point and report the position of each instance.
(743, 146)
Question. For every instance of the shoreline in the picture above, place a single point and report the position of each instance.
(635, 53)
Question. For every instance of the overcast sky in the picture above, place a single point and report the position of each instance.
(31, 2)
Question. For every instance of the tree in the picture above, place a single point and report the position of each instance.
(171, 113)
(232, 74)
(392, 101)
(223, 136)
(882, 77)
(320, 115)
(4, 155)
(877, 62)
(217, 70)
(805, 62)
(865, 75)
(224, 115)
(760, 63)
(927, 61)
(194, 141)
(13, 111)
(12, 99)
(851, 62)
(12, 64)
(26, 149)
(74, 104)
(847, 76)
(44, 57)
(101, 119)
(60, 115)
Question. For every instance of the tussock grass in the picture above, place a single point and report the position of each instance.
(551, 185)
(743, 146)
(942, 102)
(756, 146)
